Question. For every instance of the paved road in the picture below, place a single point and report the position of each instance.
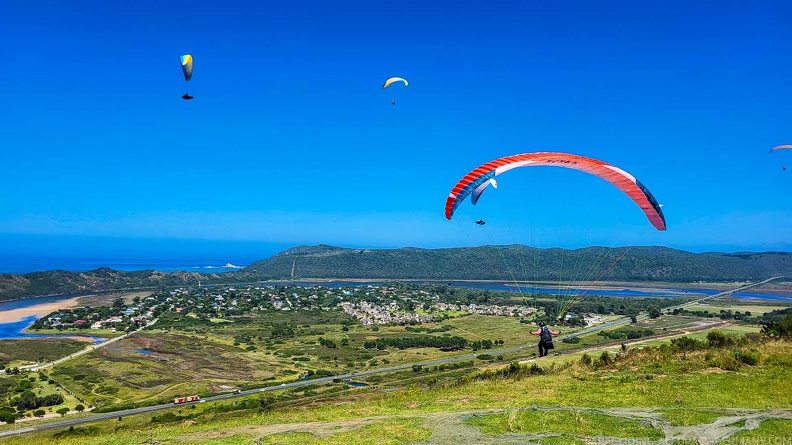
(104, 416)
(38, 367)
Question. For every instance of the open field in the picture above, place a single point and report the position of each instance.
(715, 306)
(106, 299)
(20, 352)
(156, 364)
(102, 333)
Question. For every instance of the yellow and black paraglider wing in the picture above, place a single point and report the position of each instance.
(392, 80)
(187, 66)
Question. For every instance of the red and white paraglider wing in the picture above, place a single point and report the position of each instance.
(475, 182)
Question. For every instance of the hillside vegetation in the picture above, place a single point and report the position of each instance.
(527, 263)
(462, 263)
(718, 390)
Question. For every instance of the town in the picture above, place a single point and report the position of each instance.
(380, 304)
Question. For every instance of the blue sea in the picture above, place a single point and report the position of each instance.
(18, 264)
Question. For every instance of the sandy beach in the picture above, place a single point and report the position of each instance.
(38, 310)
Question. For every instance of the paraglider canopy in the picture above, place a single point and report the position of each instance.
(392, 80)
(187, 66)
(480, 222)
(474, 183)
(187, 97)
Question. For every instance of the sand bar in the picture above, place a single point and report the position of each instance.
(38, 310)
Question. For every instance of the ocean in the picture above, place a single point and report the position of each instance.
(18, 264)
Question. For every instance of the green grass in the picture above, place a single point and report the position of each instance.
(687, 417)
(29, 350)
(715, 307)
(104, 333)
(778, 430)
(734, 329)
(39, 388)
(764, 387)
(389, 432)
(578, 423)
(563, 440)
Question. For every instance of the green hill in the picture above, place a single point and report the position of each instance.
(684, 392)
(521, 263)
(505, 263)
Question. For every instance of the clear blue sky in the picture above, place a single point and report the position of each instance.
(290, 139)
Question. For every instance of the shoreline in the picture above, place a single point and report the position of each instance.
(658, 286)
(38, 310)
(661, 286)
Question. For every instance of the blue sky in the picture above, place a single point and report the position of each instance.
(290, 139)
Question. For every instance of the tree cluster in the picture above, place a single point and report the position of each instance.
(442, 343)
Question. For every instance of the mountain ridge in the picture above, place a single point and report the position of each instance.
(512, 262)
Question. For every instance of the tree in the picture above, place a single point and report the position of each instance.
(654, 312)
(62, 411)
(7, 416)
(39, 413)
(79, 408)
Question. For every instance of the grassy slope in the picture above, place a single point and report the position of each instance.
(641, 383)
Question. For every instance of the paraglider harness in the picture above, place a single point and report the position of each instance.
(546, 338)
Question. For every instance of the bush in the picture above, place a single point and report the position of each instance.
(749, 358)
(585, 360)
(684, 344)
(485, 357)
(571, 340)
(72, 431)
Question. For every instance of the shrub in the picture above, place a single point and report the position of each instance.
(718, 339)
(749, 358)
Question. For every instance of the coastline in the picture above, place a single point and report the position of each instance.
(783, 288)
(38, 310)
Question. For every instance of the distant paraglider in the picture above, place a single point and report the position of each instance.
(392, 80)
(781, 147)
(474, 183)
(187, 69)
(480, 222)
